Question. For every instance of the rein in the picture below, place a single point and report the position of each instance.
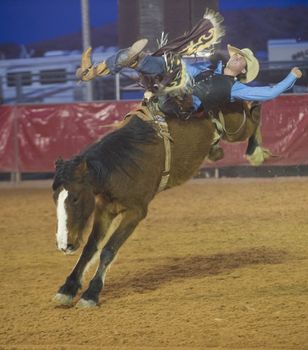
(222, 122)
(162, 130)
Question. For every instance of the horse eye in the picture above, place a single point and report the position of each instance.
(74, 199)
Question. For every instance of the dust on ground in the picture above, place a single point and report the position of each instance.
(216, 264)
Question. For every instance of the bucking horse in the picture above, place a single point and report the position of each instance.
(112, 182)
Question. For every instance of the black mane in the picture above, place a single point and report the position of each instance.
(117, 151)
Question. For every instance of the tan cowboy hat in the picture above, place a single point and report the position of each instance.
(251, 61)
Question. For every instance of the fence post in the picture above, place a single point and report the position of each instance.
(86, 40)
(117, 86)
(16, 175)
(1, 91)
(18, 84)
(216, 173)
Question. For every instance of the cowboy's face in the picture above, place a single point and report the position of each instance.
(237, 64)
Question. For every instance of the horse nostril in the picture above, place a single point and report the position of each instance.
(70, 247)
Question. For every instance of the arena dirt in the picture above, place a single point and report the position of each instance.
(217, 264)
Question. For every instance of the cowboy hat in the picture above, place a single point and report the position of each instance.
(251, 61)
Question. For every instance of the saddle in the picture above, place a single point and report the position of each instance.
(176, 107)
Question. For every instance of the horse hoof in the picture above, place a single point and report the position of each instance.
(257, 157)
(216, 153)
(85, 304)
(63, 299)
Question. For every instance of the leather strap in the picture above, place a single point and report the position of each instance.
(162, 129)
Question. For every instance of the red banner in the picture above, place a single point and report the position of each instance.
(284, 132)
(46, 132)
(285, 129)
(32, 137)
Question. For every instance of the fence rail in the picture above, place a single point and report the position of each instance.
(58, 85)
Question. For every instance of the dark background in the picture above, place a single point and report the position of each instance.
(42, 25)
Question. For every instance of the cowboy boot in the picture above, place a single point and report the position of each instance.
(124, 58)
(129, 57)
(87, 71)
(102, 69)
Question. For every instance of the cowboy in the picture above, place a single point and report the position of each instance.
(228, 84)
(210, 89)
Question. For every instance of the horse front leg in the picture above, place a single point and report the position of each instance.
(69, 289)
(129, 222)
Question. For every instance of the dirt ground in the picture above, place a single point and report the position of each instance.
(217, 264)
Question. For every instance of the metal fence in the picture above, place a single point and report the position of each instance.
(61, 86)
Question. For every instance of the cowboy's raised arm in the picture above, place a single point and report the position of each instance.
(264, 93)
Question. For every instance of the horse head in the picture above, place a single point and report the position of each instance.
(75, 201)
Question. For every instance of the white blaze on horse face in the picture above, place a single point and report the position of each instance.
(62, 231)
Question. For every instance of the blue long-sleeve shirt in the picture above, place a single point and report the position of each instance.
(240, 91)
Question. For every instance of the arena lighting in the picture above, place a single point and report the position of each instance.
(86, 40)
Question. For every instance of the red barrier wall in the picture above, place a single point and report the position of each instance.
(32, 137)
(284, 131)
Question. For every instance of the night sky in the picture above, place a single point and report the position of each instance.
(29, 21)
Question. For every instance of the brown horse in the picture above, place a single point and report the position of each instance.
(114, 181)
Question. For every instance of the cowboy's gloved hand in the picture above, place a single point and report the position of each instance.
(297, 72)
(87, 71)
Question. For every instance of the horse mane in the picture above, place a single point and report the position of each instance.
(118, 151)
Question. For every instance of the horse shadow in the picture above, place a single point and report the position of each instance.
(176, 268)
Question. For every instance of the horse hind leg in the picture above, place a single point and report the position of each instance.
(130, 220)
(255, 152)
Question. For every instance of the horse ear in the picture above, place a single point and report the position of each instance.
(82, 169)
(59, 163)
